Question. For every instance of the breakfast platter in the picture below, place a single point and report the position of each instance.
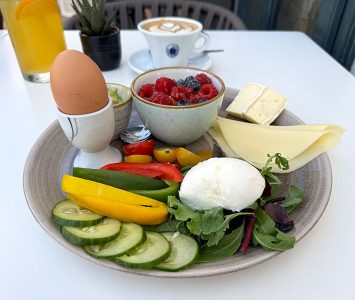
(53, 155)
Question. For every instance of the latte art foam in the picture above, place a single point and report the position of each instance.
(169, 26)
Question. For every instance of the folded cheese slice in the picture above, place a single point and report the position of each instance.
(299, 144)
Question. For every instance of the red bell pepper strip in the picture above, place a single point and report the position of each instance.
(168, 172)
(143, 148)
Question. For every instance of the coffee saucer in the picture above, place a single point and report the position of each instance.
(141, 61)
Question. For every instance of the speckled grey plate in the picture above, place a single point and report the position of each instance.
(52, 155)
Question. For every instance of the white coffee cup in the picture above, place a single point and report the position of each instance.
(172, 40)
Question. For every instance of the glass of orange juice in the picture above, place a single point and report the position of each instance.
(36, 34)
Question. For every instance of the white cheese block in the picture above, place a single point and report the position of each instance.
(257, 104)
(299, 144)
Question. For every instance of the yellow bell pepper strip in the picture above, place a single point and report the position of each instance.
(139, 214)
(165, 155)
(138, 158)
(204, 154)
(186, 157)
(114, 202)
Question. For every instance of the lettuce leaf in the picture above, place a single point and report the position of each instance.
(210, 225)
(226, 247)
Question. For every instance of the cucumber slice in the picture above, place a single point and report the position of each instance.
(152, 252)
(67, 213)
(131, 235)
(101, 233)
(184, 252)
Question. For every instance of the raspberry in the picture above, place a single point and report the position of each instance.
(203, 78)
(164, 85)
(161, 98)
(180, 92)
(146, 91)
(192, 83)
(207, 91)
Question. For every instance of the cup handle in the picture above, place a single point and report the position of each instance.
(205, 43)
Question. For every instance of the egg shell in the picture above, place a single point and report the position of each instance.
(77, 84)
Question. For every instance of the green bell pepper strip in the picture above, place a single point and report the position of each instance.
(162, 194)
(122, 180)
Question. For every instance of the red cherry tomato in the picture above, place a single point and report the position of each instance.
(142, 148)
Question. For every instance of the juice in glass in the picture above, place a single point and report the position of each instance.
(36, 34)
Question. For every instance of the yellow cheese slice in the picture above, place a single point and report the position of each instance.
(305, 127)
(217, 135)
(298, 144)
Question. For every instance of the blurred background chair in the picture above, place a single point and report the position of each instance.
(129, 13)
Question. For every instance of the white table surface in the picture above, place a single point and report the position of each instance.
(321, 266)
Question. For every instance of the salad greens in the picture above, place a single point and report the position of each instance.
(294, 198)
(210, 225)
(266, 235)
(226, 247)
(220, 238)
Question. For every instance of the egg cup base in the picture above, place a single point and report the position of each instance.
(99, 159)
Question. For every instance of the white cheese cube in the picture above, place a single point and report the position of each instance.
(257, 104)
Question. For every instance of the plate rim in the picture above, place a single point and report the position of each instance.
(192, 273)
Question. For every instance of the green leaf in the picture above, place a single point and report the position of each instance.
(281, 241)
(91, 15)
(210, 224)
(226, 247)
(219, 230)
(294, 198)
(265, 224)
(211, 220)
(109, 23)
(266, 235)
(280, 161)
(183, 213)
(253, 206)
(171, 225)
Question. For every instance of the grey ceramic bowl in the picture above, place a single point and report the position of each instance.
(122, 105)
(177, 125)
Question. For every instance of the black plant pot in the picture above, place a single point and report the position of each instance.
(104, 50)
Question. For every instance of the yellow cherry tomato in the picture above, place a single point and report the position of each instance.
(138, 158)
(204, 154)
(186, 157)
(165, 155)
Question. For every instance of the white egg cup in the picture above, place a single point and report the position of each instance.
(91, 134)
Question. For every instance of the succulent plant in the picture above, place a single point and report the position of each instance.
(92, 18)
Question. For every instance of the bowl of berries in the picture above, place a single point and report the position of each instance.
(177, 104)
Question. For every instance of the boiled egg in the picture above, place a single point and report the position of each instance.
(221, 182)
(77, 84)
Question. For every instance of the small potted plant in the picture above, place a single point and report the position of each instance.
(99, 38)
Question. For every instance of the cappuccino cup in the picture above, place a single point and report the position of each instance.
(172, 40)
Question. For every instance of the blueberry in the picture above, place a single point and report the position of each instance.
(192, 83)
(202, 100)
(180, 82)
(188, 78)
(183, 103)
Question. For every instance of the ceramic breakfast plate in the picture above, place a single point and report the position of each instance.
(141, 61)
(52, 156)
